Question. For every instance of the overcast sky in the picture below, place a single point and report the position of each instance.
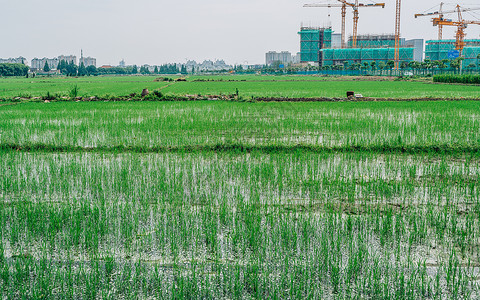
(160, 31)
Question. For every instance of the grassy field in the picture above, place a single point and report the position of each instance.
(324, 88)
(88, 86)
(160, 200)
(248, 86)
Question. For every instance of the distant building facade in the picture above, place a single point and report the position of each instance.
(69, 59)
(296, 58)
(441, 49)
(207, 65)
(39, 63)
(336, 40)
(18, 60)
(418, 46)
(283, 57)
(88, 61)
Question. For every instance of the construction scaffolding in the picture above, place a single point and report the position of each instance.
(364, 55)
(440, 49)
(316, 47)
(312, 40)
(373, 41)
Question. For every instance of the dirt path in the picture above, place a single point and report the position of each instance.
(9, 104)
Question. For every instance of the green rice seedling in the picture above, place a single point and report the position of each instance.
(74, 91)
(243, 211)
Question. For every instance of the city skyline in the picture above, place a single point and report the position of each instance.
(159, 32)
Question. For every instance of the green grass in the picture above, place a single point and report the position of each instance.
(160, 200)
(248, 86)
(465, 79)
(323, 88)
(88, 86)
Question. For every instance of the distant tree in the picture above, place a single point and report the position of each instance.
(111, 71)
(144, 70)
(46, 68)
(82, 71)
(63, 67)
(404, 65)
(71, 69)
(155, 71)
(365, 65)
(456, 63)
(427, 64)
(60, 66)
(355, 66)
(373, 65)
(91, 70)
(13, 70)
(442, 64)
(390, 64)
(134, 70)
(183, 70)
(415, 66)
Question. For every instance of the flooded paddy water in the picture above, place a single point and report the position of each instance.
(228, 225)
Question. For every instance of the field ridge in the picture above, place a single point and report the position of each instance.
(386, 148)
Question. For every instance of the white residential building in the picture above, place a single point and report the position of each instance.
(39, 63)
(207, 65)
(283, 57)
(88, 61)
(18, 60)
(68, 59)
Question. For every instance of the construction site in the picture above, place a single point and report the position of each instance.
(322, 46)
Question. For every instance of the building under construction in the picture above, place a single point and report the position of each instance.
(316, 47)
(445, 49)
(312, 41)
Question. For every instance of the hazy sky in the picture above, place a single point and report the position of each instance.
(160, 31)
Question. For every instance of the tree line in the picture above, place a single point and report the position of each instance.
(13, 70)
(70, 69)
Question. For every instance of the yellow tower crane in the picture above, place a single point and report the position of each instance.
(355, 6)
(441, 14)
(397, 34)
(461, 25)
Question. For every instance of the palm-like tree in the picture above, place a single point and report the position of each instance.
(478, 58)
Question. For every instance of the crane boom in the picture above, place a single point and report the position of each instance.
(355, 7)
(323, 5)
(461, 25)
(440, 13)
(343, 4)
(344, 14)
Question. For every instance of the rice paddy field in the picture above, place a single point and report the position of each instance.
(247, 85)
(229, 200)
